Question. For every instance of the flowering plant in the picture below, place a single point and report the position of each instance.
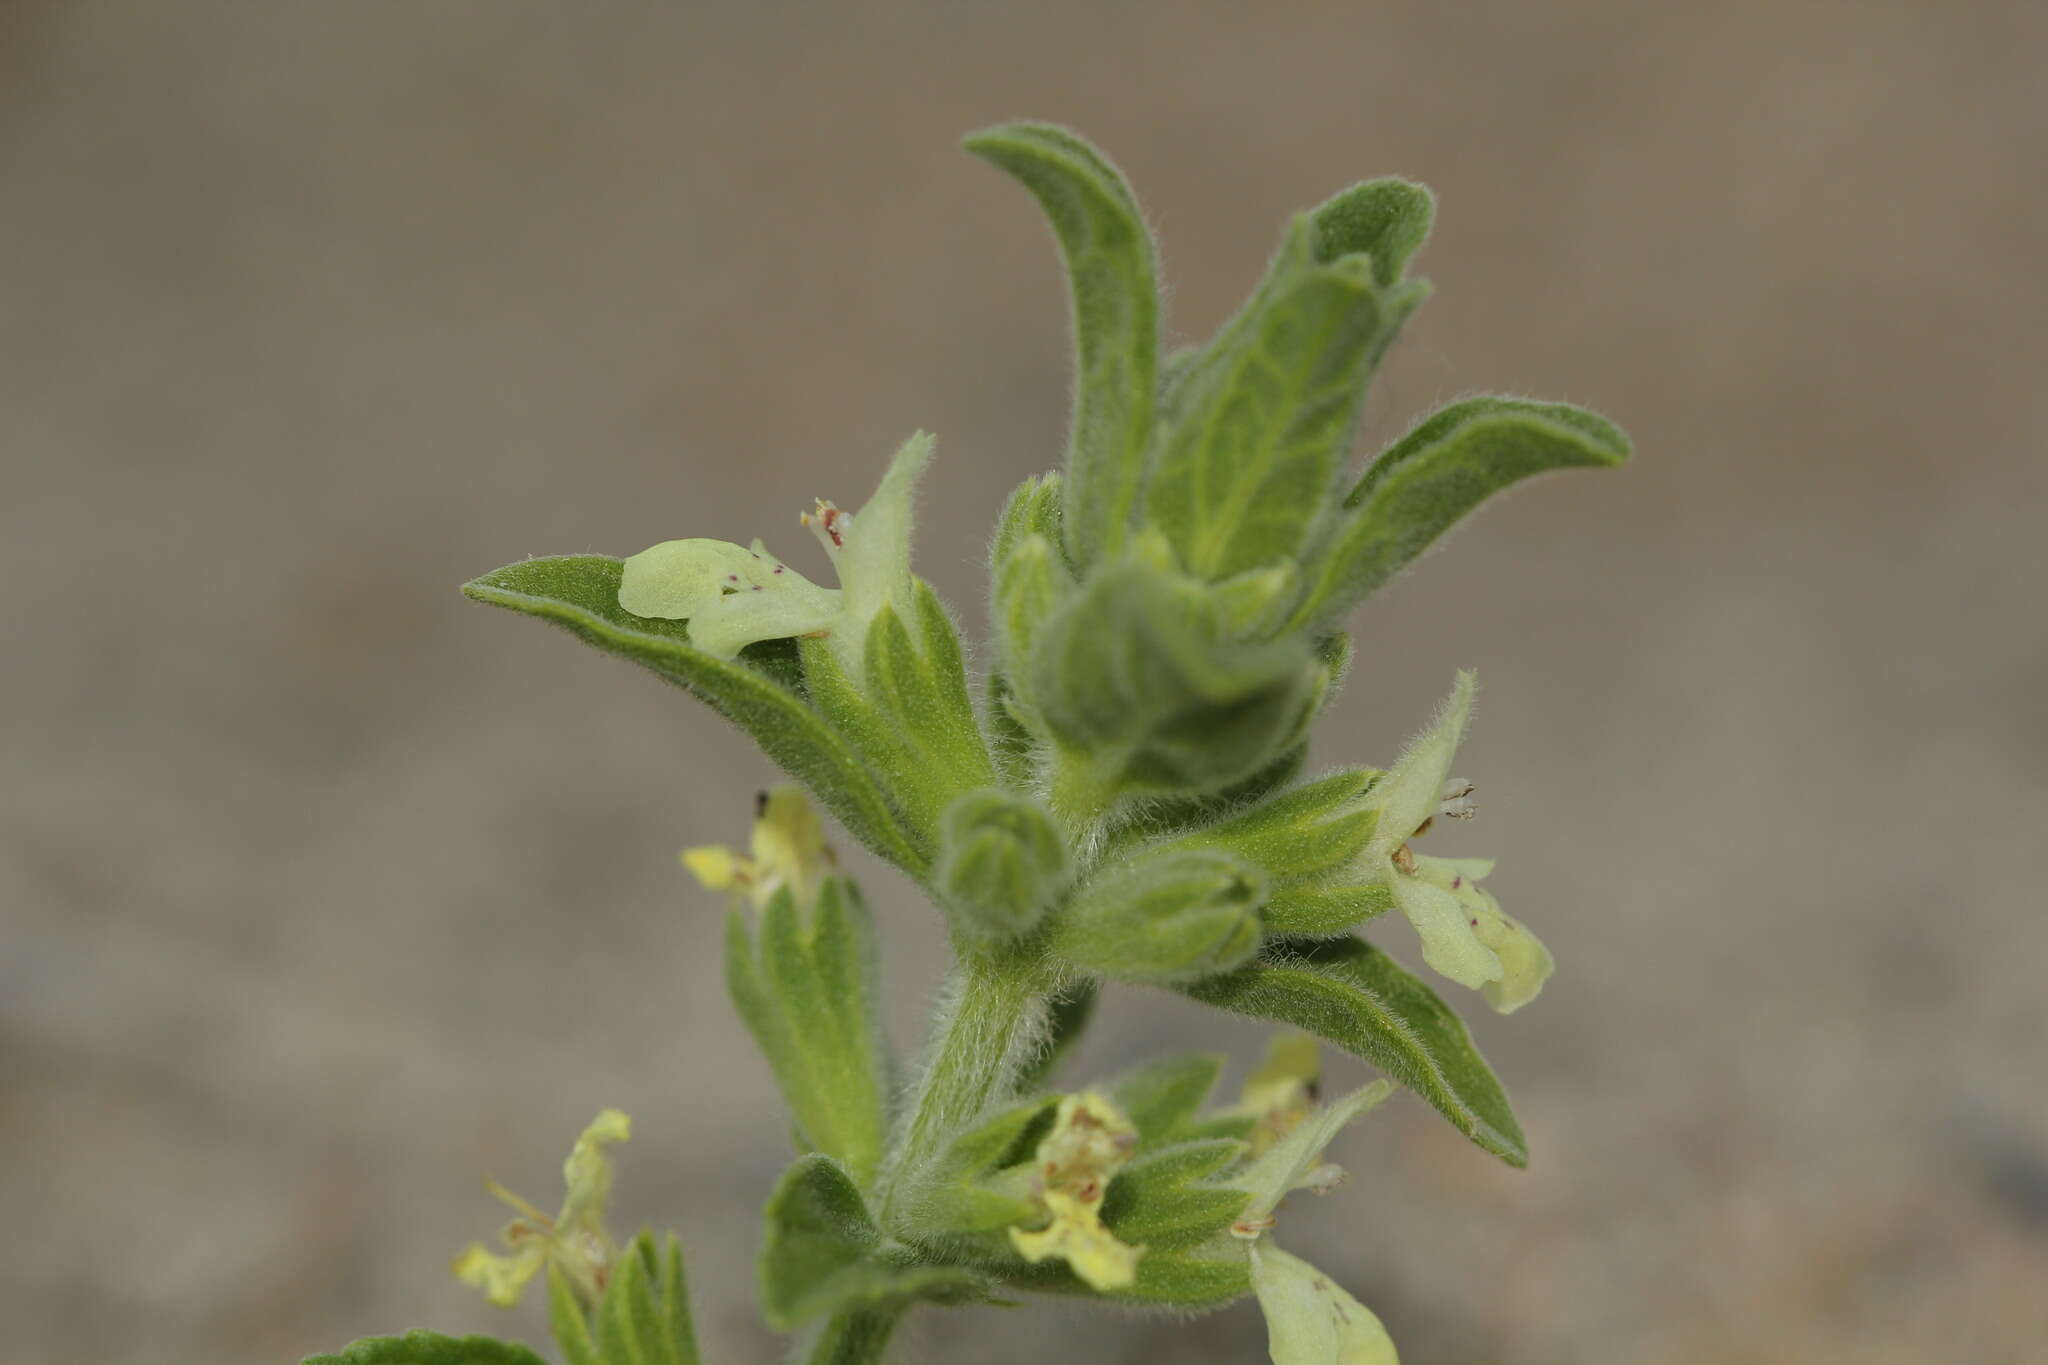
(1118, 798)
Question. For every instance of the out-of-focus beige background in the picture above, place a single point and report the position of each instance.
(325, 892)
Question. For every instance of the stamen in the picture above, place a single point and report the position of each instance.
(830, 524)
(1458, 802)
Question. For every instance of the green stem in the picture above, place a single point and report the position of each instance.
(992, 1021)
(1079, 793)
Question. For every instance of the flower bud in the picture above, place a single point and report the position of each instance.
(1002, 863)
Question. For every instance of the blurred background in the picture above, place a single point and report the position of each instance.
(325, 892)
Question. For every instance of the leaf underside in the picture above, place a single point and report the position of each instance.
(1352, 994)
(428, 1348)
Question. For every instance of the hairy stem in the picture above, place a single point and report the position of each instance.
(990, 1022)
(1079, 793)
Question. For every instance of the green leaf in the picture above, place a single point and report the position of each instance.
(1262, 421)
(1155, 1203)
(567, 1321)
(675, 1303)
(1172, 814)
(1323, 911)
(1032, 509)
(1003, 1139)
(911, 718)
(1201, 1278)
(1387, 219)
(1169, 916)
(822, 1252)
(920, 679)
(428, 1348)
(1355, 996)
(1445, 467)
(1160, 1098)
(953, 1203)
(757, 692)
(809, 997)
(1030, 585)
(1304, 833)
(1143, 689)
(638, 1325)
(1116, 322)
(1189, 1279)
(1011, 743)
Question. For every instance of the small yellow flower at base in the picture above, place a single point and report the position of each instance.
(1465, 936)
(1076, 1234)
(500, 1277)
(574, 1240)
(1090, 1140)
(788, 848)
(717, 868)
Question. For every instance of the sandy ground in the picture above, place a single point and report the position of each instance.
(324, 892)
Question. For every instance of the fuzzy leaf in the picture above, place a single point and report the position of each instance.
(1168, 916)
(1355, 996)
(1301, 834)
(428, 1348)
(567, 1321)
(674, 1295)
(1030, 585)
(1011, 744)
(1034, 508)
(954, 1201)
(1387, 219)
(910, 717)
(1160, 1098)
(1002, 1139)
(1141, 686)
(822, 1252)
(1262, 420)
(807, 992)
(1116, 322)
(1154, 1202)
(638, 1323)
(1445, 467)
(759, 691)
(1201, 1278)
(1173, 814)
(1323, 911)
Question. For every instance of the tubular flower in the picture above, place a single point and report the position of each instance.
(734, 596)
(573, 1241)
(1309, 1319)
(788, 848)
(1465, 936)
(1090, 1140)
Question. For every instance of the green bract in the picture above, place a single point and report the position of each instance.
(1117, 796)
